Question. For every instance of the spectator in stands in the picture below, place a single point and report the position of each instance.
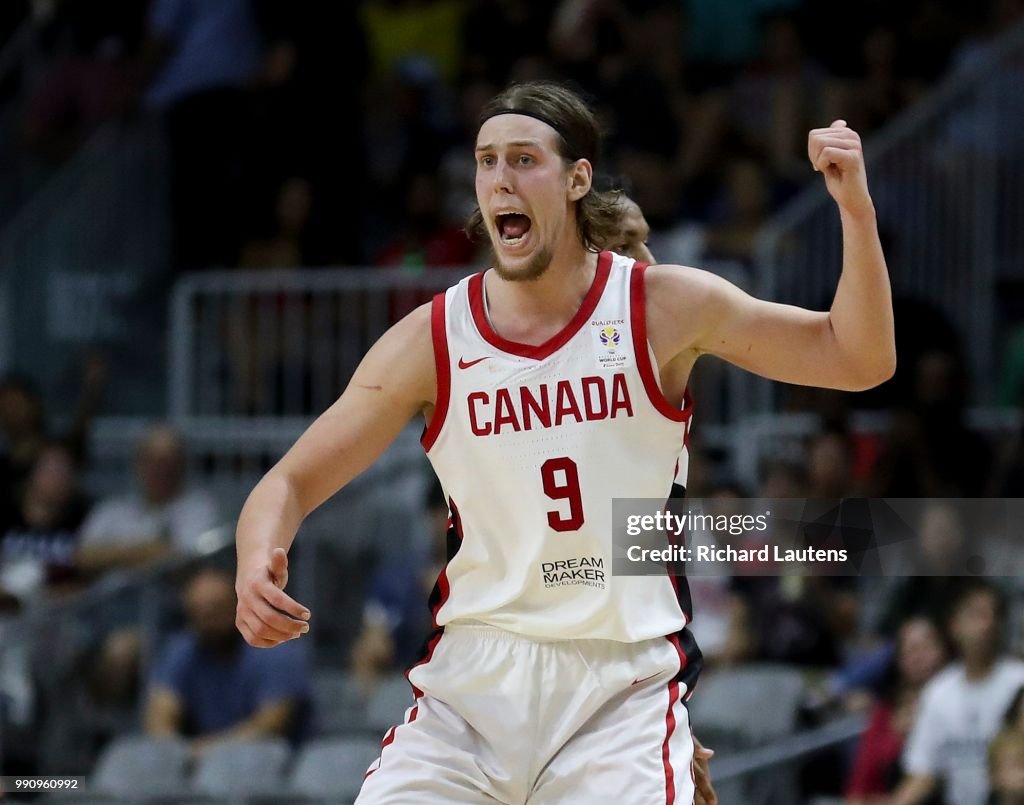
(23, 429)
(963, 707)
(284, 246)
(425, 240)
(163, 517)
(738, 211)
(202, 59)
(397, 29)
(782, 478)
(830, 466)
(39, 532)
(920, 653)
(1006, 757)
(208, 685)
(395, 617)
(315, 51)
(778, 98)
(1006, 768)
(456, 174)
(931, 582)
(1014, 718)
(90, 83)
(882, 91)
(410, 121)
(23, 425)
(930, 450)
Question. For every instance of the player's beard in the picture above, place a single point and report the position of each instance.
(534, 269)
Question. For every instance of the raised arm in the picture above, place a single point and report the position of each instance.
(394, 382)
(850, 347)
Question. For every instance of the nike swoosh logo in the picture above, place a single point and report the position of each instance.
(638, 681)
(464, 364)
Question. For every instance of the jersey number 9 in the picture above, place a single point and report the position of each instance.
(566, 489)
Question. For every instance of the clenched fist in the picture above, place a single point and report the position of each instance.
(836, 152)
(265, 615)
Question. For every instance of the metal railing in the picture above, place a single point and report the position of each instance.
(273, 344)
(281, 343)
(766, 775)
(946, 178)
(379, 511)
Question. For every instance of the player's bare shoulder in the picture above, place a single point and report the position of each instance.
(401, 363)
(679, 301)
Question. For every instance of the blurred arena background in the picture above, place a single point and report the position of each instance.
(209, 211)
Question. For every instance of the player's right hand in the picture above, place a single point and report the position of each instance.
(265, 615)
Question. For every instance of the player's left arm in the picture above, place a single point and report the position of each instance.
(851, 346)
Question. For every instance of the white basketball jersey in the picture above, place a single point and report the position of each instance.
(531, 444)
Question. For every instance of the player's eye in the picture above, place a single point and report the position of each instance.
(487, 162)
(525, 159)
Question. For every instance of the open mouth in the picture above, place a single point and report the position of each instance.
(512, 227)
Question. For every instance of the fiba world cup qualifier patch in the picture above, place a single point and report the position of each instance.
(610, 344)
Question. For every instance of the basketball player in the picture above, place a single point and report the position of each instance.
(551, 384)
(629, 234)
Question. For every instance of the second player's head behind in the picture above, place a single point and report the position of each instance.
(536, 151)
(629, 234)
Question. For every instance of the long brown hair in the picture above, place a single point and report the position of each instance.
(579, 137)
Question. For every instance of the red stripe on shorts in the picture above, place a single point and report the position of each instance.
(389, 738)
(670, 727)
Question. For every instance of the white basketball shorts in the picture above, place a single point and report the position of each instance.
(504, 718)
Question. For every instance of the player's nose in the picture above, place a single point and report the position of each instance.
(502, 177)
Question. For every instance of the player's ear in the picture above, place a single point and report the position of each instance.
(580, 179)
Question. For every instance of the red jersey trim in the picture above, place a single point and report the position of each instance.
(557, 341)
(638, 317)
(443, 365)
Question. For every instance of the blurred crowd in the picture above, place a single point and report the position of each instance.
(55, 537)
(340, 134)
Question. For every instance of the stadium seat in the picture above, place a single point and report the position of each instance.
(134, 767)
(388, 703)
(239, 769)
(339, 705)
(131, 770)
(737, 708)
(332, 768)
